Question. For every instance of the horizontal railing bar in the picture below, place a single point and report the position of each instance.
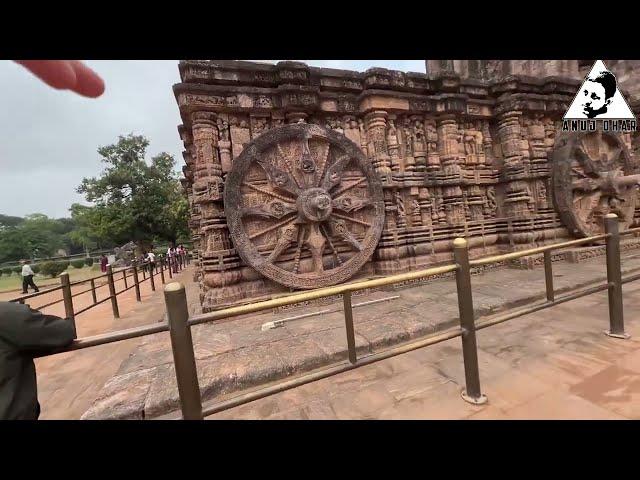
(83, 292)
(125, 289)
(318, 293)
(92, 305)
(123, 269)
(48, 304)
(331, 371)
(632, 278)
(541, 306)
(105, 284)
(106, 338)
(79, 282)
(36, 294)
(533, 251)
(630, 231)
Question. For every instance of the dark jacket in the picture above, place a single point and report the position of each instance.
(25, 334)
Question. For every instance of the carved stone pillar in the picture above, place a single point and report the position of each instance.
(510, 138)
(449, 148)
(517, 196)
(205, 141)
(376, 133)
(214, 241)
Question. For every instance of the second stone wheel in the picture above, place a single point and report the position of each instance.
(304, 206)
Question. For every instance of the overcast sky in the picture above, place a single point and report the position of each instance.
(49, 138)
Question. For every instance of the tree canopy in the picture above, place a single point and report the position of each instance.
(133, 199)
(36, 235)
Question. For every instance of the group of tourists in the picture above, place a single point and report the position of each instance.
(178, 257)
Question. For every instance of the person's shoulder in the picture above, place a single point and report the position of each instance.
(13, 309)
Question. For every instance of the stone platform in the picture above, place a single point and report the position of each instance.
(237, 354)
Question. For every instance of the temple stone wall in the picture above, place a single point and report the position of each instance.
(494, 69)
(460, 151)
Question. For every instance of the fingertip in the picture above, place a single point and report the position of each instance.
(89, 83)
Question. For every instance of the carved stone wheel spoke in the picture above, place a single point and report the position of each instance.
(594, 174)
(304, 206)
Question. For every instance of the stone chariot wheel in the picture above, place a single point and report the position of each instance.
(594, 174)
(304, 206)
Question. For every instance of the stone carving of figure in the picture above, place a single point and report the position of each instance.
(469, 146)
(400, 203)
(491, 204)
(542, 195)
(415, 212)
(419, 146)
(407, 137)
(401, 210)
(487, 143)
(432, 137)
(392, 145)
(223, 129)
(433, 157)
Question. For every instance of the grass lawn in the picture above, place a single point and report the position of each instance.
(14, 282)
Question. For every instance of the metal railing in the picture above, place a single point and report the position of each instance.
(172, 265)
(179, 322)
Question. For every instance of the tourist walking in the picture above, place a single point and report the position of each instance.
(173, 260)
(27, 277)
(151, 257)
(181, 255)
(104, 261)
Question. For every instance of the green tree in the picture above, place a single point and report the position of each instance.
(36, 235)
(132, 199)
(7, 221)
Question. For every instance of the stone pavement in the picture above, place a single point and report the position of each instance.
(553, 364)
(236, 355)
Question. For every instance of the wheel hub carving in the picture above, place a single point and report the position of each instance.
(304, 206)
(315, 205)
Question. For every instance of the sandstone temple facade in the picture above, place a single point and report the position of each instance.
(300, 177)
